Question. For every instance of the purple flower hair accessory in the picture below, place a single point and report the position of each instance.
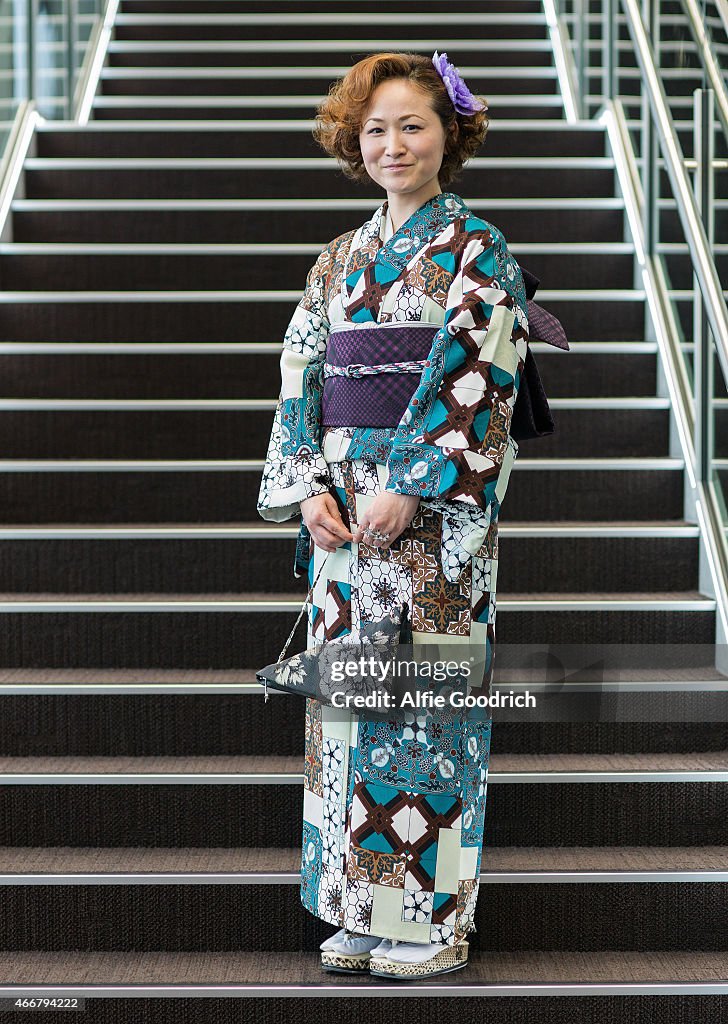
(462, 98)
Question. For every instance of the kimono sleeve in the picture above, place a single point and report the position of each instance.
(295, 468)
(453, 441)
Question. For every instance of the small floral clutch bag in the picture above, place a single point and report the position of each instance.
(340, 666)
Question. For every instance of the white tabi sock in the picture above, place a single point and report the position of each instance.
(354, 944)
(414, 952)
(333, 939)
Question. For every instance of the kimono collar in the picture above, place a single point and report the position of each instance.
(428, 220)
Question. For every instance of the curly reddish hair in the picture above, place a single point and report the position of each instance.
(339, 116)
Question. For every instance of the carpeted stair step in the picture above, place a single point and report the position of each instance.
(206, 492)
(305, 25)
(232, 910)
(270, 178)
(48, 268)
(203, 82)
(275, 985)
(318, 7)
(225, 630)
(159, 316)
(142, 56)
(235, 108)
(43, 863)
(252, 370)
(105, 713)
(291, 138)
(277, 221)
(249, 220)
(175, 559)
(240, 428)
(668, 799)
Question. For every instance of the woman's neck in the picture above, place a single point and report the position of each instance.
(401, 207)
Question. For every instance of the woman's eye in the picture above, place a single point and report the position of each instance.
(417, 126)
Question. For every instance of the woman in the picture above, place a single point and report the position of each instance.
(399, 472)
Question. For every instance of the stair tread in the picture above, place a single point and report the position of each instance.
(296, 596)
(60, 860)
(293, 968)
(170, 676)
(273, 764)
(293, 524)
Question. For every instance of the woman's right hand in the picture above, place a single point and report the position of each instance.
(323, 519)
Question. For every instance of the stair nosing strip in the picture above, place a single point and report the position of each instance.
(263, 72)
(300, 124)
(322, 45)
(584, 348)
(132, 100)
(280, 295)
(302, 248)
(565, 777)
(285, 163)
(329, 18)
(658, 463)
(637, 403)
(622, 688)
(212, 605)
(271, 532)
(505, 877)
(367, 990)
(546, 203)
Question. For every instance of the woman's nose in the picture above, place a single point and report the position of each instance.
(395, 145)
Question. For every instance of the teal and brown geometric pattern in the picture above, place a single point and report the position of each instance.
(394, 809)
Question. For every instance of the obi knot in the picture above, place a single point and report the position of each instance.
(362, 369)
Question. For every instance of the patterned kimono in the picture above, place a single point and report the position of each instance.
(394, 807)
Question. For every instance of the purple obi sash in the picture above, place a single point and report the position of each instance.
(371, 373)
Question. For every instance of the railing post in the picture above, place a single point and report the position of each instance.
(30, 48)
(650, 167)
(70, 57)
(581, 51)
(610, 40)
(703, 377)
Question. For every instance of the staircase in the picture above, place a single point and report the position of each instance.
(681, 73)
(153, 260)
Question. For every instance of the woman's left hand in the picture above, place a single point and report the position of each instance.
(389, 513)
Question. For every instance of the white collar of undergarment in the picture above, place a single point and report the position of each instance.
(387, 228)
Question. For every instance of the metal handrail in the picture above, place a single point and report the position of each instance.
(687, 207)
(19, 141)
(692, 420)
(707, 57)
(709, 299)
(35, 36)
(722, 6)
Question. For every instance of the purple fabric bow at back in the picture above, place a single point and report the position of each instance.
(542, 325)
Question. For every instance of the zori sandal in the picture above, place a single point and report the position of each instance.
(452, 958)
(350, 954)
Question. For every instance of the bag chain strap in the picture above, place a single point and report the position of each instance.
(303, 609)
(295, 625)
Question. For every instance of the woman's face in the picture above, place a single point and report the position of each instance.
(401, 128)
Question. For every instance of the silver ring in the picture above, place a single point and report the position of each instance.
(376, 534)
